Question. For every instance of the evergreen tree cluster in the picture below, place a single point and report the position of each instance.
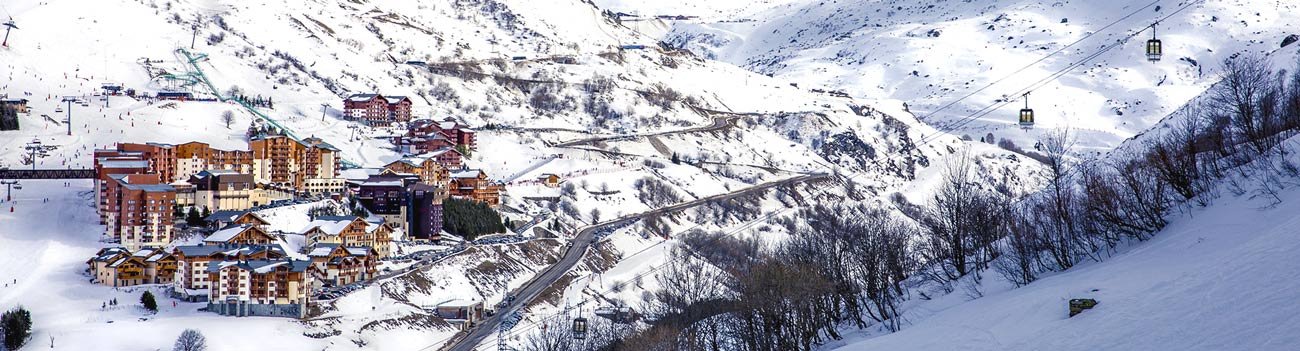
(470, 219)
(17, 324)
(257, 101)
(8, 118)
(195, 219)
(148, 301)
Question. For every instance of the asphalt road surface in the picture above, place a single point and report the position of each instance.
(579, 246)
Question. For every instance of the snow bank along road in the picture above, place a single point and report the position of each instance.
(579, 246)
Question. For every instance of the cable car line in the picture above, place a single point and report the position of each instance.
(926, 139)
(1036, 62)
(519, 329)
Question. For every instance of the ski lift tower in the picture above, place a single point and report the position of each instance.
(69, 100)
(110, 89)
(36, 150)
(8, 27)
(10, 185)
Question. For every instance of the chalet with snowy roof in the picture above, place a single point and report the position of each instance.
(240, 234)
(550, 180)
(375, 109)
(349, 231)
(338, 265)
(414, 143)
(191, 281)
(119, 267)
(220, 189)
(19, 105)
(473, 184)
(431, 168)
(459, 133)
(222, 219)
(428, 135)
(271, 288)
(159, 265)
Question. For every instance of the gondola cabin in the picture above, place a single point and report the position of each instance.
(580, 328)
(1154, 50)
(1026, 118)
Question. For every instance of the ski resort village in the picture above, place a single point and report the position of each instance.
(607, 175)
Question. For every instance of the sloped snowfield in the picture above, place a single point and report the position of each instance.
(307, 53)
(933, 53)
(1221, 277)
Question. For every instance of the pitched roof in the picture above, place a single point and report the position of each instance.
(361, 97)
(228, 233)
(224, 215)
(332, 225)
(467, 173)
(261, 266)
(440, 151)
(110, 253)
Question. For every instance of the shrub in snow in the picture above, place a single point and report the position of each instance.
(191, 340)
(17, 325)
(148, 301)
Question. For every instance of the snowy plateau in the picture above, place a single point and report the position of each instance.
(687, 175)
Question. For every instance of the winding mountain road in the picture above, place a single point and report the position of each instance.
(578, 247)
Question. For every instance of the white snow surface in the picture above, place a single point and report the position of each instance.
(932, 53)
(1218, 278)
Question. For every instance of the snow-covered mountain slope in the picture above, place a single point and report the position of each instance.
(570, 83)
(1222, 277)
(932, 53)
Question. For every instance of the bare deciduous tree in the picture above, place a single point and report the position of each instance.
(190, 340)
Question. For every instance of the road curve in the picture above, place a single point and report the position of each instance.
(579, 246)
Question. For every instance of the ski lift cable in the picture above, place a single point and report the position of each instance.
(1021, 93)
(518, 329)
(926, 139)
(1036, 62)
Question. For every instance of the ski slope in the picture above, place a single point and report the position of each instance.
(1222, 277)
